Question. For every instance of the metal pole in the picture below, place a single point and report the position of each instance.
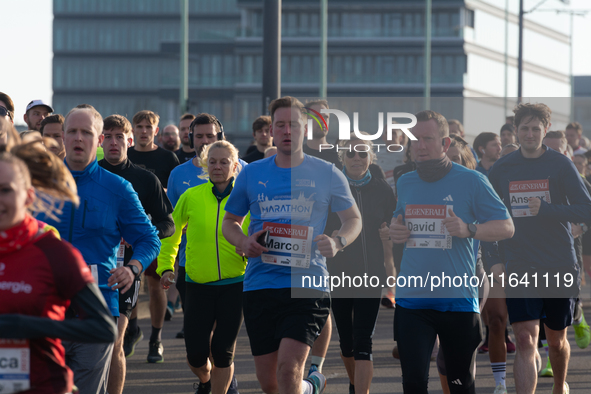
(184, 49)
(427, 54)
(271, 52)
(520, 56)
(323, 46)
(505, 100)
(572, 77)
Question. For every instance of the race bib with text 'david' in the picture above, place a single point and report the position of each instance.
(425, 223)
(520, 192)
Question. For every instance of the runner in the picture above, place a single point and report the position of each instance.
(286, 192)
(109, 210)
(543, 242)
(488, 148)
(50, 274)
(507, 135)
(260, 133)
(214, 271)
(116, 140)
(53, 127)
(356, 310)
(186, 151)
(459, 198)
(149, 156)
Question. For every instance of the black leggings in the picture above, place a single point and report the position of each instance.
(180, 285)
(459, 333)
(356, 321)
(206, 305)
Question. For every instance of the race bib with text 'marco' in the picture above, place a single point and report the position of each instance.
(425, 223)
(15, 365)
(520, 193)
(289, 245)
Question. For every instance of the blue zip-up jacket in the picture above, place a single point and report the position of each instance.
(109, 210)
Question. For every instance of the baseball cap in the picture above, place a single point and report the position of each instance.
(36, 103)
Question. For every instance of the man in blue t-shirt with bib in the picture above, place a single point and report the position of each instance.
(441, 208)
(288, 196)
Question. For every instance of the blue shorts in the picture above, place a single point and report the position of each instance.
(558, 312)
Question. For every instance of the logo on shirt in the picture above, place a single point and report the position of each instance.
(263, 183)
(305, 183)
(286, 208)
(448, 198)
(16, 287)
(187, 183)
(457, 381)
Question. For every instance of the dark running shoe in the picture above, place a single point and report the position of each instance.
(180, 334)
(202, 388)
(155, 352)
(130, 340)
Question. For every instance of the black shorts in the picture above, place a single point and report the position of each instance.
(558, 312)
(128, 300)
(271, 315)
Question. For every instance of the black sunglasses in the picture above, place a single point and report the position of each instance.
(351, 154)
(4, 111)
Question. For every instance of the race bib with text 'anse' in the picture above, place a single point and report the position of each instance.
(289, 245)
(520, 192)
(425, 223)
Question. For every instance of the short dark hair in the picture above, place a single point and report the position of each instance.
(528, 111)
(556, 134)
(285, 102)
(482, 140)
(442, 125)
(113, 121)
(9, 104)
(187, 116)
(205, 118)
(57, 118)
(261, 122)
(575, 125)
(507, 127)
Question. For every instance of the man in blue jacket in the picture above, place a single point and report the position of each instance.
(109, 210)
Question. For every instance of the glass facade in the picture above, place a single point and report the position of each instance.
(141, 6)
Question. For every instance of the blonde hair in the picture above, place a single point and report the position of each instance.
(354, 137)
(44, 171)
(203, 158)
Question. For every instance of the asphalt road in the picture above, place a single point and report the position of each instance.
(174, 376)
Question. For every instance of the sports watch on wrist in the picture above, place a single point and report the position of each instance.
(342, 240)
(134, 270)
(472, 228)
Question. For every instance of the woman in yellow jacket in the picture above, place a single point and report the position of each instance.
(214, 271)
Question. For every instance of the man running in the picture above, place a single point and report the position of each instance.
(441, 208)
(543, 191)
(287, 192)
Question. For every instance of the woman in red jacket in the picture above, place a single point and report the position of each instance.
(40, 277)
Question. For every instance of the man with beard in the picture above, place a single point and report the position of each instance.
(488, 148)
(37, 110)
(186, 152)
(262, 137)
(169, 138)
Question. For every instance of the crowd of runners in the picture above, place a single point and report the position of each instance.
(88, 204)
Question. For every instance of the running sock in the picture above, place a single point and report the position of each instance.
(307, 387)
(318, 361)
(545, 346)
(132, 326)
(499, 372)
(156, 335)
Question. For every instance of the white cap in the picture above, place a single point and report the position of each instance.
(36, 103)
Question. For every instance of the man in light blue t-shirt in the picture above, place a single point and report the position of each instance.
(441, 208)
(288, 195)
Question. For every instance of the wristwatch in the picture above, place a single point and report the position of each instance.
(472, 228)
(134, 270)
(342, 240)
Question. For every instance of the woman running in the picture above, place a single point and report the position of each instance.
(41, 276)
(214, 271)
(356, 317)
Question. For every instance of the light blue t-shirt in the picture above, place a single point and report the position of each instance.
(181, 178)
(298, 196)
(423, 205)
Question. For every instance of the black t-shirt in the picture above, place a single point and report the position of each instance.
(151, 196)
(184, 156)
(250, 149)
(254, 156)
(329, 155)
(159, 162)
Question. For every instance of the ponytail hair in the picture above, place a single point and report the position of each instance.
(44, 171)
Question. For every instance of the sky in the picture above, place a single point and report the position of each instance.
(27, 31)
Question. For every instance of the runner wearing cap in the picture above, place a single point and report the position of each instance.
(37, 110)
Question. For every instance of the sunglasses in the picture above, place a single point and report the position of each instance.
(351, 155)
(4, 112)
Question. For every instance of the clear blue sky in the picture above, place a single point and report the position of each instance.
(27, 49)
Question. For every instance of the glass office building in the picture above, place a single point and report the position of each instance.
(123, 56)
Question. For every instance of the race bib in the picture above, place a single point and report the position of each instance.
(94, 271)
(520, 193)
(121, 254)
(289, 245)
(425, 223)
(15, 365)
